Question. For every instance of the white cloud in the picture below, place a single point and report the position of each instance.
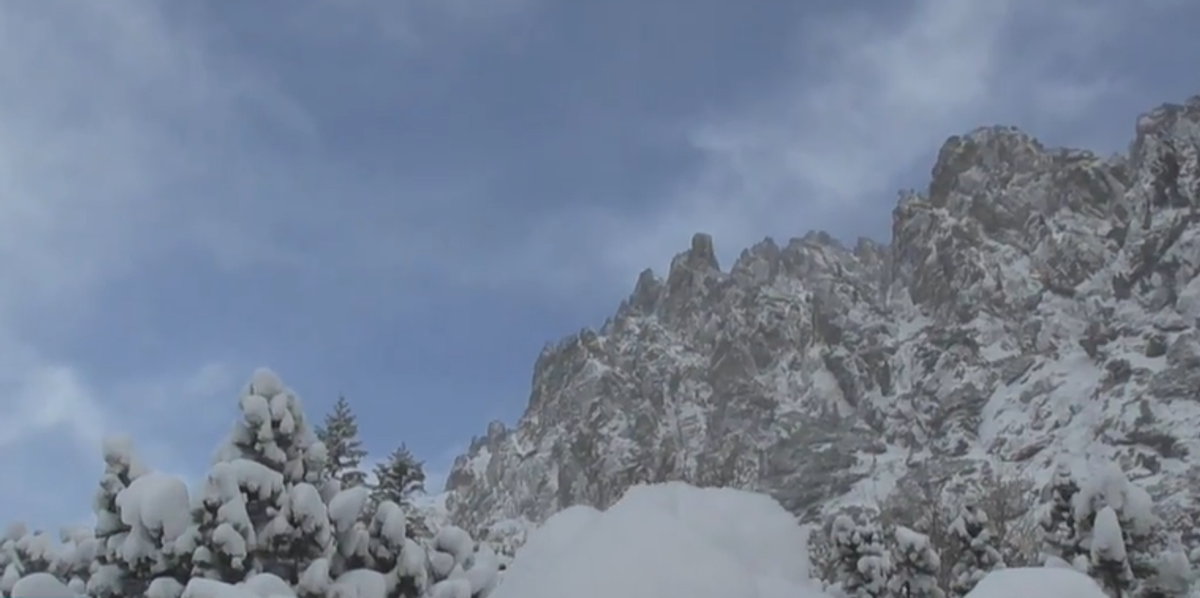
(130, 137)
(875, 94)
(105, 109)
(407, 24)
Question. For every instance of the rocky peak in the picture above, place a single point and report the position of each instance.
(645, 293)
(1032, 303)
(693, 277)
(1164, 206)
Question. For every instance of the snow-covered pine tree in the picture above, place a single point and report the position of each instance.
(23, 553)
(112, 577)
(299, 533)
(156, 508)
(398, 477)
(255, 512)
(915, 566)
(1140, 527)
(1173, 576)
(1109, 564)
(863, 566)
(979, 551)
(1057, 523)
(349, 513)
(460, 566)
(343, 447)
(79, 552)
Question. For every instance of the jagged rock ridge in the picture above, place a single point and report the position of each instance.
(1033, 303)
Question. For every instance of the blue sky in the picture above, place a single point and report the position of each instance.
(403, 200)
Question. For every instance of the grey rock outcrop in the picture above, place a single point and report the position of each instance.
(1032, 303)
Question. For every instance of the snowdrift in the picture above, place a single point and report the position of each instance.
(1048, 582)
(666, 540)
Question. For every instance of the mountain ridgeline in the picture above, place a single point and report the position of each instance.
(1033, 305)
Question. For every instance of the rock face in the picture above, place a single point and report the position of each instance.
(1033, 303)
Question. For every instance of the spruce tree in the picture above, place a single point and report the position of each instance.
(259, 510)
(863, 564)
(978, 545)
(398, 477)
(342, 445)
(1140, 528)
(916, 565)
(1109, 563)
(111, 577)
(1057, 525)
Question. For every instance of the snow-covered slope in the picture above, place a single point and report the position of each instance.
(1033, 303)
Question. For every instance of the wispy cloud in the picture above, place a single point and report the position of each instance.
(874, 93)
(109, 114)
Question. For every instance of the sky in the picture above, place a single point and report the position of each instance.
(403, 201)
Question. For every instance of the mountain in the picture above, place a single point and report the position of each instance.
(1033, 304)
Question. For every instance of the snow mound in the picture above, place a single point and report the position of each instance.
(666, 539)
(211, 588)
(1033, 582)
(41, 585)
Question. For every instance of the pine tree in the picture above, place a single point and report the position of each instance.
(1057, 525)
(863, 566)
(916, 566)
(1173, 572)
(259, 509)
(1109, 563)
(1140, 528)
(342, 445)
(979, 547)
(112, 576)
(398, 477)
(23, 553)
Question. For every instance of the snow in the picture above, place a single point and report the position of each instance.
(164, 587)
(483, 572)
(1045, 582)
(1106, 536)
(315, 579)
(346, 507)
(1108, 486)
(451, 588)
(360, 583)
(155, 505)
(119, 453)
(266, 585)
(412, 562)
(199, 587)
(40, 585)
(666, 539)
(455, 541)
(389, 523)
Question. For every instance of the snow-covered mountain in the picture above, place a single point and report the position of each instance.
(1033, 303)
